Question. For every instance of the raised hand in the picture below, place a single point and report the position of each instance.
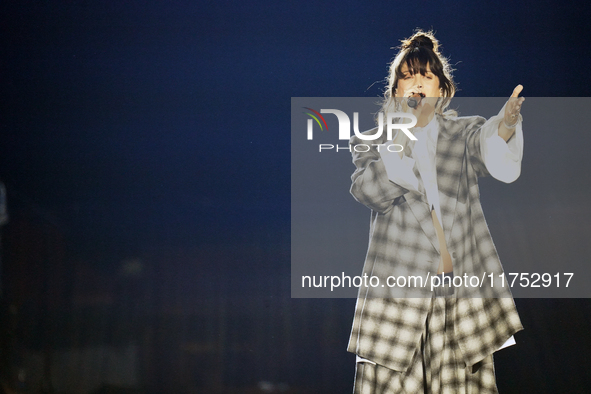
(511, 116)
(513, 107)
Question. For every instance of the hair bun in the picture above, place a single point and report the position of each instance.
(421, 39)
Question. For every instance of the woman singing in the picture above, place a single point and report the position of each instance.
(427, 221)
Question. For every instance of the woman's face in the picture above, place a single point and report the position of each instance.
(410, 84)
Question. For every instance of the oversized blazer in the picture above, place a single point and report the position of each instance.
(389, 321)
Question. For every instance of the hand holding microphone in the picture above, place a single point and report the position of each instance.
(421, 101)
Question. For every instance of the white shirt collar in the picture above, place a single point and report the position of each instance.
(430, 130)
(426, 136)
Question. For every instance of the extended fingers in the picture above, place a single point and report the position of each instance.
(517, 90)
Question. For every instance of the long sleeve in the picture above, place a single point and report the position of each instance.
(370, 183)
(502, 159)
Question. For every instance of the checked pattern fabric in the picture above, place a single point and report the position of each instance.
(389, 321)
(437, 366)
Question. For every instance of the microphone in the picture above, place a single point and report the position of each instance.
(414, 101)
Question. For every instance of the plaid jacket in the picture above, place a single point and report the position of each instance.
(389, 321)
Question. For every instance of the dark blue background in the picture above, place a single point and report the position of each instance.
(142, 127)
(171, 117)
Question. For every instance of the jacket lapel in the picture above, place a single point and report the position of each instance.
(420, 209)
(419, 205)
(449, 163)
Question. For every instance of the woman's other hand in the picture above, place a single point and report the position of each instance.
(512, 111)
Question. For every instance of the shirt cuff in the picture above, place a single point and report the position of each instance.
(508, 342)
(363, 360)
(502, 159)
(399, 169)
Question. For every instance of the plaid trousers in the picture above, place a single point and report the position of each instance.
(437, 366)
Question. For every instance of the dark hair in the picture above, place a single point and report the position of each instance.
(418, 52)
